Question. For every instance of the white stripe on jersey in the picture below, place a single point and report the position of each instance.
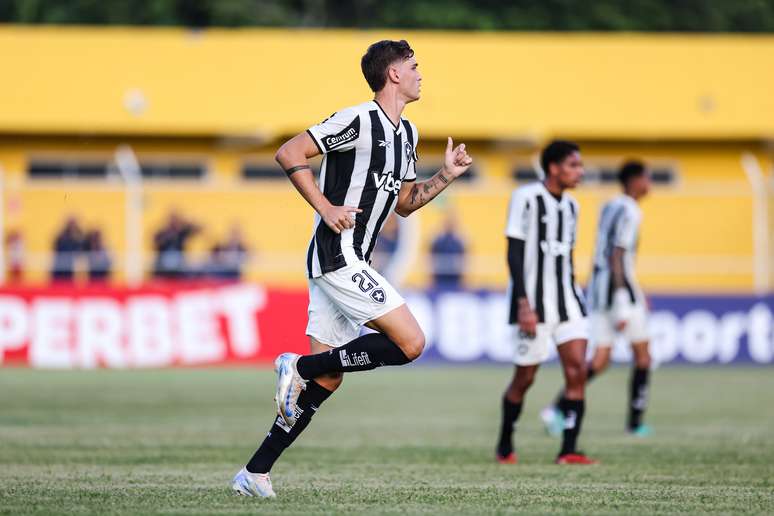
(619, 226)
(548, 228)
(366, 161)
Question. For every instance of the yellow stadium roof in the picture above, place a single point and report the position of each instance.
(266, 83)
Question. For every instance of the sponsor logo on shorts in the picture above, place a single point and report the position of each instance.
(522, 349)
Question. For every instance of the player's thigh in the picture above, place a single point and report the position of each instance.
(327, 324)
(400, 326)
(571, 338)
(531, 350)
(600, 358)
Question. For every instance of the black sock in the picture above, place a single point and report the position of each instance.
(281, 435)
(572, 410)
(510, 414)
(362, 354)
(590, 373)
(638, 397)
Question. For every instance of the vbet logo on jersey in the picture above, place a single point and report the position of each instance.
(555, 248)
(387, 182)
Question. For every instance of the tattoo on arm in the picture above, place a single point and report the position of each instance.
(296, 169)
(443, 178)
(414, 192)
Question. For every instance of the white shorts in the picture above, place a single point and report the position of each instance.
(342, 301)
(536, 350)
(603, 332)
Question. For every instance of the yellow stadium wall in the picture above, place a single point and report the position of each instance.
(697, 234)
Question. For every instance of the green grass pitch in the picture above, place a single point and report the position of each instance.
(393, 441)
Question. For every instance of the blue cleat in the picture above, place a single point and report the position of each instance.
(642, 431)
(553, 420)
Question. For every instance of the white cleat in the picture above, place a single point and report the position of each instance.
(252, 484)
(289, 387)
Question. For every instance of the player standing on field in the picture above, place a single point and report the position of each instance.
(368, 170)
(618, 305)
(546, 302)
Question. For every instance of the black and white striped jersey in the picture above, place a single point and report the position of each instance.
(366, 160)
(619, 226)
(548, 228)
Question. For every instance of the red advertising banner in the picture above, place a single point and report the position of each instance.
(157, 325)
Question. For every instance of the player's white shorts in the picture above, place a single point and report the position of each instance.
(603, 332)
(536, 350)
(342, 301)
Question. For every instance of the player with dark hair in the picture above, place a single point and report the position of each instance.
(368, 170)
(546, 305)
(618, 305)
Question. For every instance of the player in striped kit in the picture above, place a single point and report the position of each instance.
(546, 304)
(618, 305)
(368, 170)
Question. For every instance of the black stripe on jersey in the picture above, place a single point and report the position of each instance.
(398, 151)
(559, 267)
(310, 255)
(581, 304)
(413, 156)
(541, 214)
(368, 195)
(338, 174)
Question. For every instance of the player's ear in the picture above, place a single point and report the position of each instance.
(392, 74)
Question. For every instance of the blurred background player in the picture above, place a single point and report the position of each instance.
(545, 301)
(618, 305)
(369, 170)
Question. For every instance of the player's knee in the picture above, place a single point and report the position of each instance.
(523, 384)
(575, 375)
(413, 346)
(643, 361)
(601, 365)
(330, 381)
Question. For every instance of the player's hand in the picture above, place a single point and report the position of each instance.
(528, 320)
(620, 325)
(456, 160)
(339, 218)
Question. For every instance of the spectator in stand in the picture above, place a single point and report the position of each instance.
(447, 254)
(97, 257)
(170, 243)
(227, 258)
(14, 252)
(67, 248)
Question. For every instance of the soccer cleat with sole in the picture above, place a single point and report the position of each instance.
(575, 458)
(553, 420)
(252, 484)
(511, 458)
(289, 387)
(641, 431)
